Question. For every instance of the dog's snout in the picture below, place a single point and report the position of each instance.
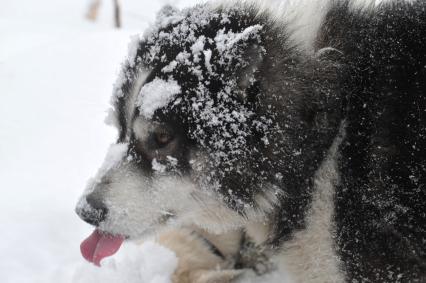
(94, 212)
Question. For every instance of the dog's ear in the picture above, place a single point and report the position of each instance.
(246, 76)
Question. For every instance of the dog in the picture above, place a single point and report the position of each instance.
(299, 129)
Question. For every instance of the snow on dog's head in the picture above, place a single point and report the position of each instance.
(155, 95)
(202, 67)
(203, 143)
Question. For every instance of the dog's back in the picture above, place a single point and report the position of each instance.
(380, 202)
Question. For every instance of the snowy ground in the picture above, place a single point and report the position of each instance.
(56, 75)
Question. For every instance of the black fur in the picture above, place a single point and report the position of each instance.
(380, 203)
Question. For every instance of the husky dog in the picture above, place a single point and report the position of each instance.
(301, 128)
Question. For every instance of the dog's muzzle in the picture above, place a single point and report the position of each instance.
(91, 209)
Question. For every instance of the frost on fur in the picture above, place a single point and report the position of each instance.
(155, 95)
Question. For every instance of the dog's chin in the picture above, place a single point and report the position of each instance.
(106, 241)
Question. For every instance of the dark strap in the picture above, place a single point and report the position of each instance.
(210, 245)
(253, 256)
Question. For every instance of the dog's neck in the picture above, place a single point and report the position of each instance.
(227, 244)
(250, 244)
(258, 232)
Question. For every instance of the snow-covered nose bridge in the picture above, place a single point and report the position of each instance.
(115, 156)
(90, 207)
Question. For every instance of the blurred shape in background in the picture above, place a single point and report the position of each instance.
(92, 13)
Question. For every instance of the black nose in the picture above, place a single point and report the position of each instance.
(94, 212)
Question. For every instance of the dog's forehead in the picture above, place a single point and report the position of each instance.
(194, 62)
(125, 95)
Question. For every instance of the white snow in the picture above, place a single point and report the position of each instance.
(155, 95)
(208, 56)
(56, 76)
(146, 263)
(157, 166)
(197, 48)
(169, 68)
(225, 41)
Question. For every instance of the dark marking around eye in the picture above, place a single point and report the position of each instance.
(163, 137)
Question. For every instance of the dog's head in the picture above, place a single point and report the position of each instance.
(206, 135)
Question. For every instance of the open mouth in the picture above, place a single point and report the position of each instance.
(100, 245)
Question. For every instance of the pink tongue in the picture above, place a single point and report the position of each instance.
(100, 245)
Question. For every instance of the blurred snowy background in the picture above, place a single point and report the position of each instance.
(56, 75)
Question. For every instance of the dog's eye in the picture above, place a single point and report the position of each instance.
(163, 137)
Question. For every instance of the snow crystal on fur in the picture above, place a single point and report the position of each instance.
(155, 95)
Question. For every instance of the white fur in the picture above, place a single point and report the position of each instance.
(141, 128)
(133, 95)
(197, 263)
(258, 231)
(112, 117)
(138, 204)
(227, 243)
(301, 19)
(141, 75)
(113, 160)
(310, 255)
